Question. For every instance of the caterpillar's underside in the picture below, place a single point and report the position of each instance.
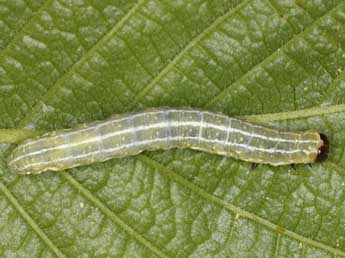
(132, 133)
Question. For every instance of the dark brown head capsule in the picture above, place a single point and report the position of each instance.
(322, 152)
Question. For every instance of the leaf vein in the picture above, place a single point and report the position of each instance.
(275, 8)
(104, 38)
(99, 204)
(30, 221)
(19, 33)
(271, 56)
(319, 61)
(192, 43)
(236, 210)
(277, 246)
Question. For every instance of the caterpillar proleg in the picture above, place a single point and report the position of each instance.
(132, 133)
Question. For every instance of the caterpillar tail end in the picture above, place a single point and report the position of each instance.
(322, 152)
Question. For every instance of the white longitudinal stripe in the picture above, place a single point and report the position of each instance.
(144, 142)
(97, 138)
(96, 125)
(100, 138)
(201, 125)
(99, 125)
(153, 126)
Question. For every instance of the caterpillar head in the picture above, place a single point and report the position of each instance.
(322, 152)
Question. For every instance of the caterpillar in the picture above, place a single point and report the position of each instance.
(132, 133)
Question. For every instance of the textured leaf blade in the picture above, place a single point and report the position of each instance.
(238, 57)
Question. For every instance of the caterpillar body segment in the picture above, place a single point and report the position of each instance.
(132, 133)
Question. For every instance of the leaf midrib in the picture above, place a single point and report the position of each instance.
(296, 114)
(264, 118)
(316, 111)
(51, 92)
(17, 135)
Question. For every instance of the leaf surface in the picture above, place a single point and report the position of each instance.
(276, 62)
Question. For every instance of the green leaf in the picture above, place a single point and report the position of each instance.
(276, 62)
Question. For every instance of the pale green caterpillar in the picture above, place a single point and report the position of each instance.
(132, 133)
